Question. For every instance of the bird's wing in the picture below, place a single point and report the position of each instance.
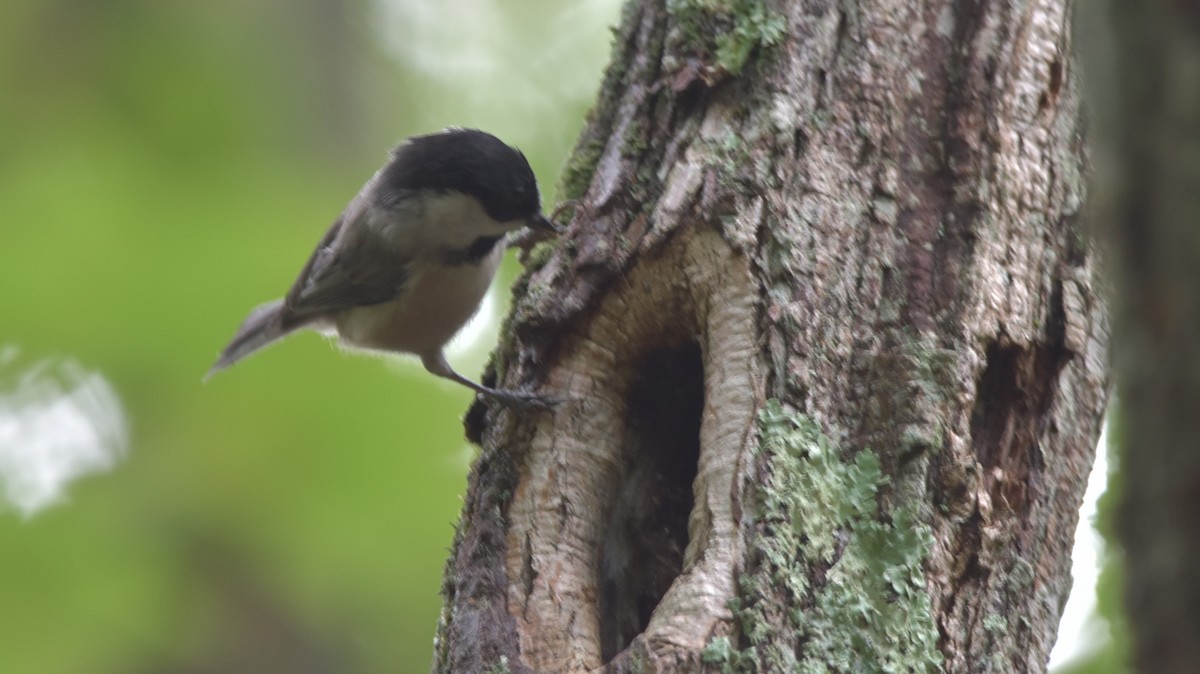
(345, 272)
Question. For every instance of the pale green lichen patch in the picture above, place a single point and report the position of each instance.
(728, 31)
(857, 600)
(873, 614)
(721, 651)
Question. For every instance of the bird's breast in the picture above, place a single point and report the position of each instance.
(437, 302)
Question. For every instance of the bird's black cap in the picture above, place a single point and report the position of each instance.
(469, 161)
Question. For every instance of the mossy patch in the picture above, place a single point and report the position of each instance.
(727, 31)
(580, 167)
(867, 610)
(539, 255)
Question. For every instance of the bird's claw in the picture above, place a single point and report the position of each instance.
(524, 400)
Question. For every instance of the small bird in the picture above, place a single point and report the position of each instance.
(409, 260)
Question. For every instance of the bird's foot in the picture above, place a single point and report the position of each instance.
(522, 400)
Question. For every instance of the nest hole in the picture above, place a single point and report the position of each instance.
(647, 525)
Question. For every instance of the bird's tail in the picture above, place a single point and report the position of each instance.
(263, 326)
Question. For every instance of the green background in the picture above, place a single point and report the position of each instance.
(166, 166)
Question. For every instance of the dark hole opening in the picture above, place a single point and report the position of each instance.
(996, 396)
(1012, 400)
(642, 550)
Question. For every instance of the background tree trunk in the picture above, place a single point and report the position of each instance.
(833, 359)
(1147, 87)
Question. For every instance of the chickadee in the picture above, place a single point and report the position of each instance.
(409, 260)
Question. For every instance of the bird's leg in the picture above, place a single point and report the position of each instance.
(435, 363)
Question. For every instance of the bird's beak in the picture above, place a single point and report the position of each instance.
(541, 223)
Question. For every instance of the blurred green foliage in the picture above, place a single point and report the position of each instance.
(164, 167)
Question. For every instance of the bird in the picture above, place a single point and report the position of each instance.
(409, 260)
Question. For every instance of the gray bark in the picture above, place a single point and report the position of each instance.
(833, 361)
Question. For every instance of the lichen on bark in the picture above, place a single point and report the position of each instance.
(819, 509)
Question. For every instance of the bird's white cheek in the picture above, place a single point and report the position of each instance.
(453, 221)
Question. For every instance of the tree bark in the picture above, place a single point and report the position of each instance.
(832, 357)
(1146, 83)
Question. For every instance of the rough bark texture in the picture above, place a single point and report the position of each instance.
(1147, 86)
(833, 361)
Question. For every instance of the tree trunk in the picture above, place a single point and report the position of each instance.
(832, 359)
(1147, 87)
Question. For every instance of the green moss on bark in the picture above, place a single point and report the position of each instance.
(727, 31)
(580, 167)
